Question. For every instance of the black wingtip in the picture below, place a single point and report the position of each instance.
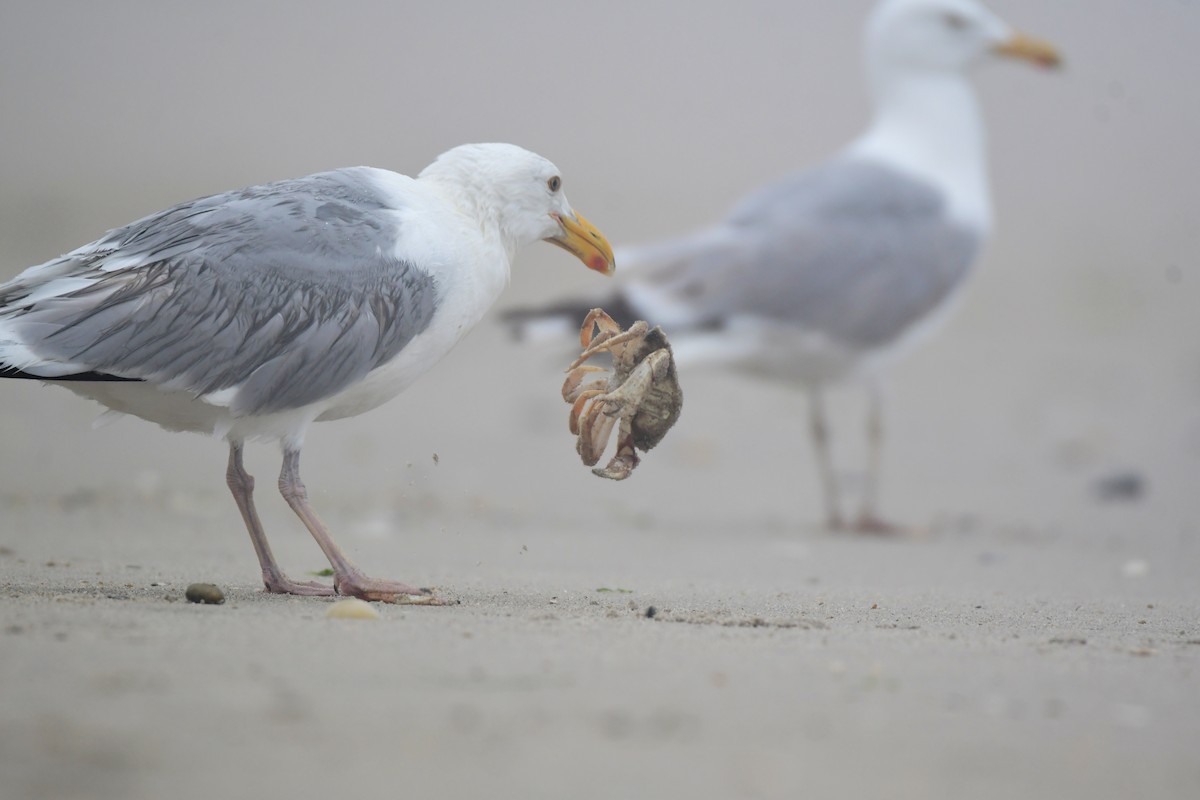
(20, 374)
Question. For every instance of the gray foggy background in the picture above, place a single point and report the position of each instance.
(1075, 353)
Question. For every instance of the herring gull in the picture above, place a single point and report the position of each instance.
(253, 313)
(824, 274)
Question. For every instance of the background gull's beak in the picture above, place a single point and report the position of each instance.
(581, 238)
(1030, 49)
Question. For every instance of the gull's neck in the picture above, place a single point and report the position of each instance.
(478, 204)
(928, 123)
(493, 250)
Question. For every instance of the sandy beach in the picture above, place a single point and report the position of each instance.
(692, 631)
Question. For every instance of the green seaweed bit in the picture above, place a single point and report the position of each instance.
(618, 590)
(323, 573)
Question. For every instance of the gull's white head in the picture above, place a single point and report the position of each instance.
(945, 36)
(521, 194)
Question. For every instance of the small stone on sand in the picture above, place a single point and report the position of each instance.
(206, 593)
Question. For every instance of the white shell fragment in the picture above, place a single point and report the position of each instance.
(1135, 568)
(352, 608)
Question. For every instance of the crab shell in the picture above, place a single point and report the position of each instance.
(663, 401)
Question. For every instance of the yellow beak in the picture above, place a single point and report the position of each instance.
(1030, 49)
(581, 238)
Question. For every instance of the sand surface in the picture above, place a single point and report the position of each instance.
(1030, 636)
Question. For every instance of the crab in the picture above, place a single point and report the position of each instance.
(642, 392)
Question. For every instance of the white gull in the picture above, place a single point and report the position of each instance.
(254, 313)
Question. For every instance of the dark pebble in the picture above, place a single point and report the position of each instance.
(651, 612)
(1120, 487)
(204, 593)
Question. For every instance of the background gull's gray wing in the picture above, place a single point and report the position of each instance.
(852, 249)
(288, 291)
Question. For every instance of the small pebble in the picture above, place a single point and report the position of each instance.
(651, 612)
(352, 608)
(204, 593)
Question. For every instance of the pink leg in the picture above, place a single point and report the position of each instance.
(869, 520)
(347, 578)
(241, 484)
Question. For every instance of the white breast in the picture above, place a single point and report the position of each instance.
(470, 271)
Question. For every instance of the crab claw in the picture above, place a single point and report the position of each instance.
(624, 461)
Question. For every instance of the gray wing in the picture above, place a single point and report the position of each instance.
(288, 290)
(852, 249)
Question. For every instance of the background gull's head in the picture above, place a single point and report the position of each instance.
(944, 36)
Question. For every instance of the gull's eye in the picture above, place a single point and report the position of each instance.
(554, 183)
(955, 21)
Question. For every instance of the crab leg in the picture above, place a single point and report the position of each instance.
(598, 346)
(571, 386)
(593, 435)
(596, 321)
(594, 388)
(577, 408)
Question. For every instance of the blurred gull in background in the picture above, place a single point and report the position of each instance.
(826, 274)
